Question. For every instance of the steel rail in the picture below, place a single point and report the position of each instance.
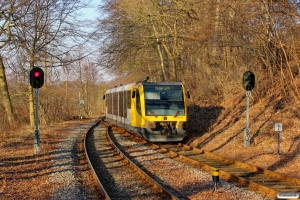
(102, 189)
(264, 181)
(155, 184)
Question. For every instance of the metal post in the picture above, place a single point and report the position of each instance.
(278, 128)
(36, 132)
(247, 130)
(79, 114)
(278, 143)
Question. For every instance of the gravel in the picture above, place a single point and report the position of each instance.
(71, 176)
(64, 172)
(186, 181)
(68, 161)
(121, 181)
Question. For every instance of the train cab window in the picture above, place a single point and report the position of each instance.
(164, 100)
(138, 102)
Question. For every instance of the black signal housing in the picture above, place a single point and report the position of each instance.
(248, 80)
(36, 77)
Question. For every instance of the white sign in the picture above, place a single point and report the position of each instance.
(248, 93)
(288, 195)
(81, 102)
(278, 127)
(36, 91)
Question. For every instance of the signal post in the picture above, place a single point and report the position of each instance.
(248, 85)
(36, 81)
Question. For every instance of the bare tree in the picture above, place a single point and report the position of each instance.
(7, 22)
(48, 30)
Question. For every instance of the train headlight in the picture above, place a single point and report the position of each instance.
(150, 125)
(182, 125)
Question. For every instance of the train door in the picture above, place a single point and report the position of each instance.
(128, 108)
(138, 108)
(119, 113)
(124, 107)
(115, 106)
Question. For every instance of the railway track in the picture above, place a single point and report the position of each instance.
(117, 166)
(117, 175)
(268, 183)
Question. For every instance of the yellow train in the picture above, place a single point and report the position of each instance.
(156, 111)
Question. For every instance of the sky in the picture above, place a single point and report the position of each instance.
(91, 13)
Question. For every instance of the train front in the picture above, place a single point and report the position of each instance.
(165, 111)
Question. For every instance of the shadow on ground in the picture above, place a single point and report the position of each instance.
(200, 119)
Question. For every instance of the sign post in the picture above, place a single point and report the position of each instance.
(247, 129)
(248, 82)
(81, 102)
(278, 128)
(36, 132)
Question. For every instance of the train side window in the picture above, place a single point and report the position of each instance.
(128, 99)
(121, 104)
(108, 103)
(133, 94)
(115, 103)
(138, 103)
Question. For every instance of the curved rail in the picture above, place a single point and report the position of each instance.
(266, 182)
(150, 180)
(269, 183)
(167, 194)
(102, 190)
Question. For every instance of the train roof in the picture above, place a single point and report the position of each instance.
(161, 83)
(120, 88)
(126, 87)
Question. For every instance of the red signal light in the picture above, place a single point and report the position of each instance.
(36, 77)
(36, 74)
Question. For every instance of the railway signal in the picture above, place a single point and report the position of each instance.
(36, 77)
(248, 82)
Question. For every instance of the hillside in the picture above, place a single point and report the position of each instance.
(220, 129)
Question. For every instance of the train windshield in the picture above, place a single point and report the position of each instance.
(162, 100)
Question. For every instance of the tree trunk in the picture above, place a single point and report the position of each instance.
(160, 55)
(6, 97)
(171, 61)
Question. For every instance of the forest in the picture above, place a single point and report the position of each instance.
(206, 44)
